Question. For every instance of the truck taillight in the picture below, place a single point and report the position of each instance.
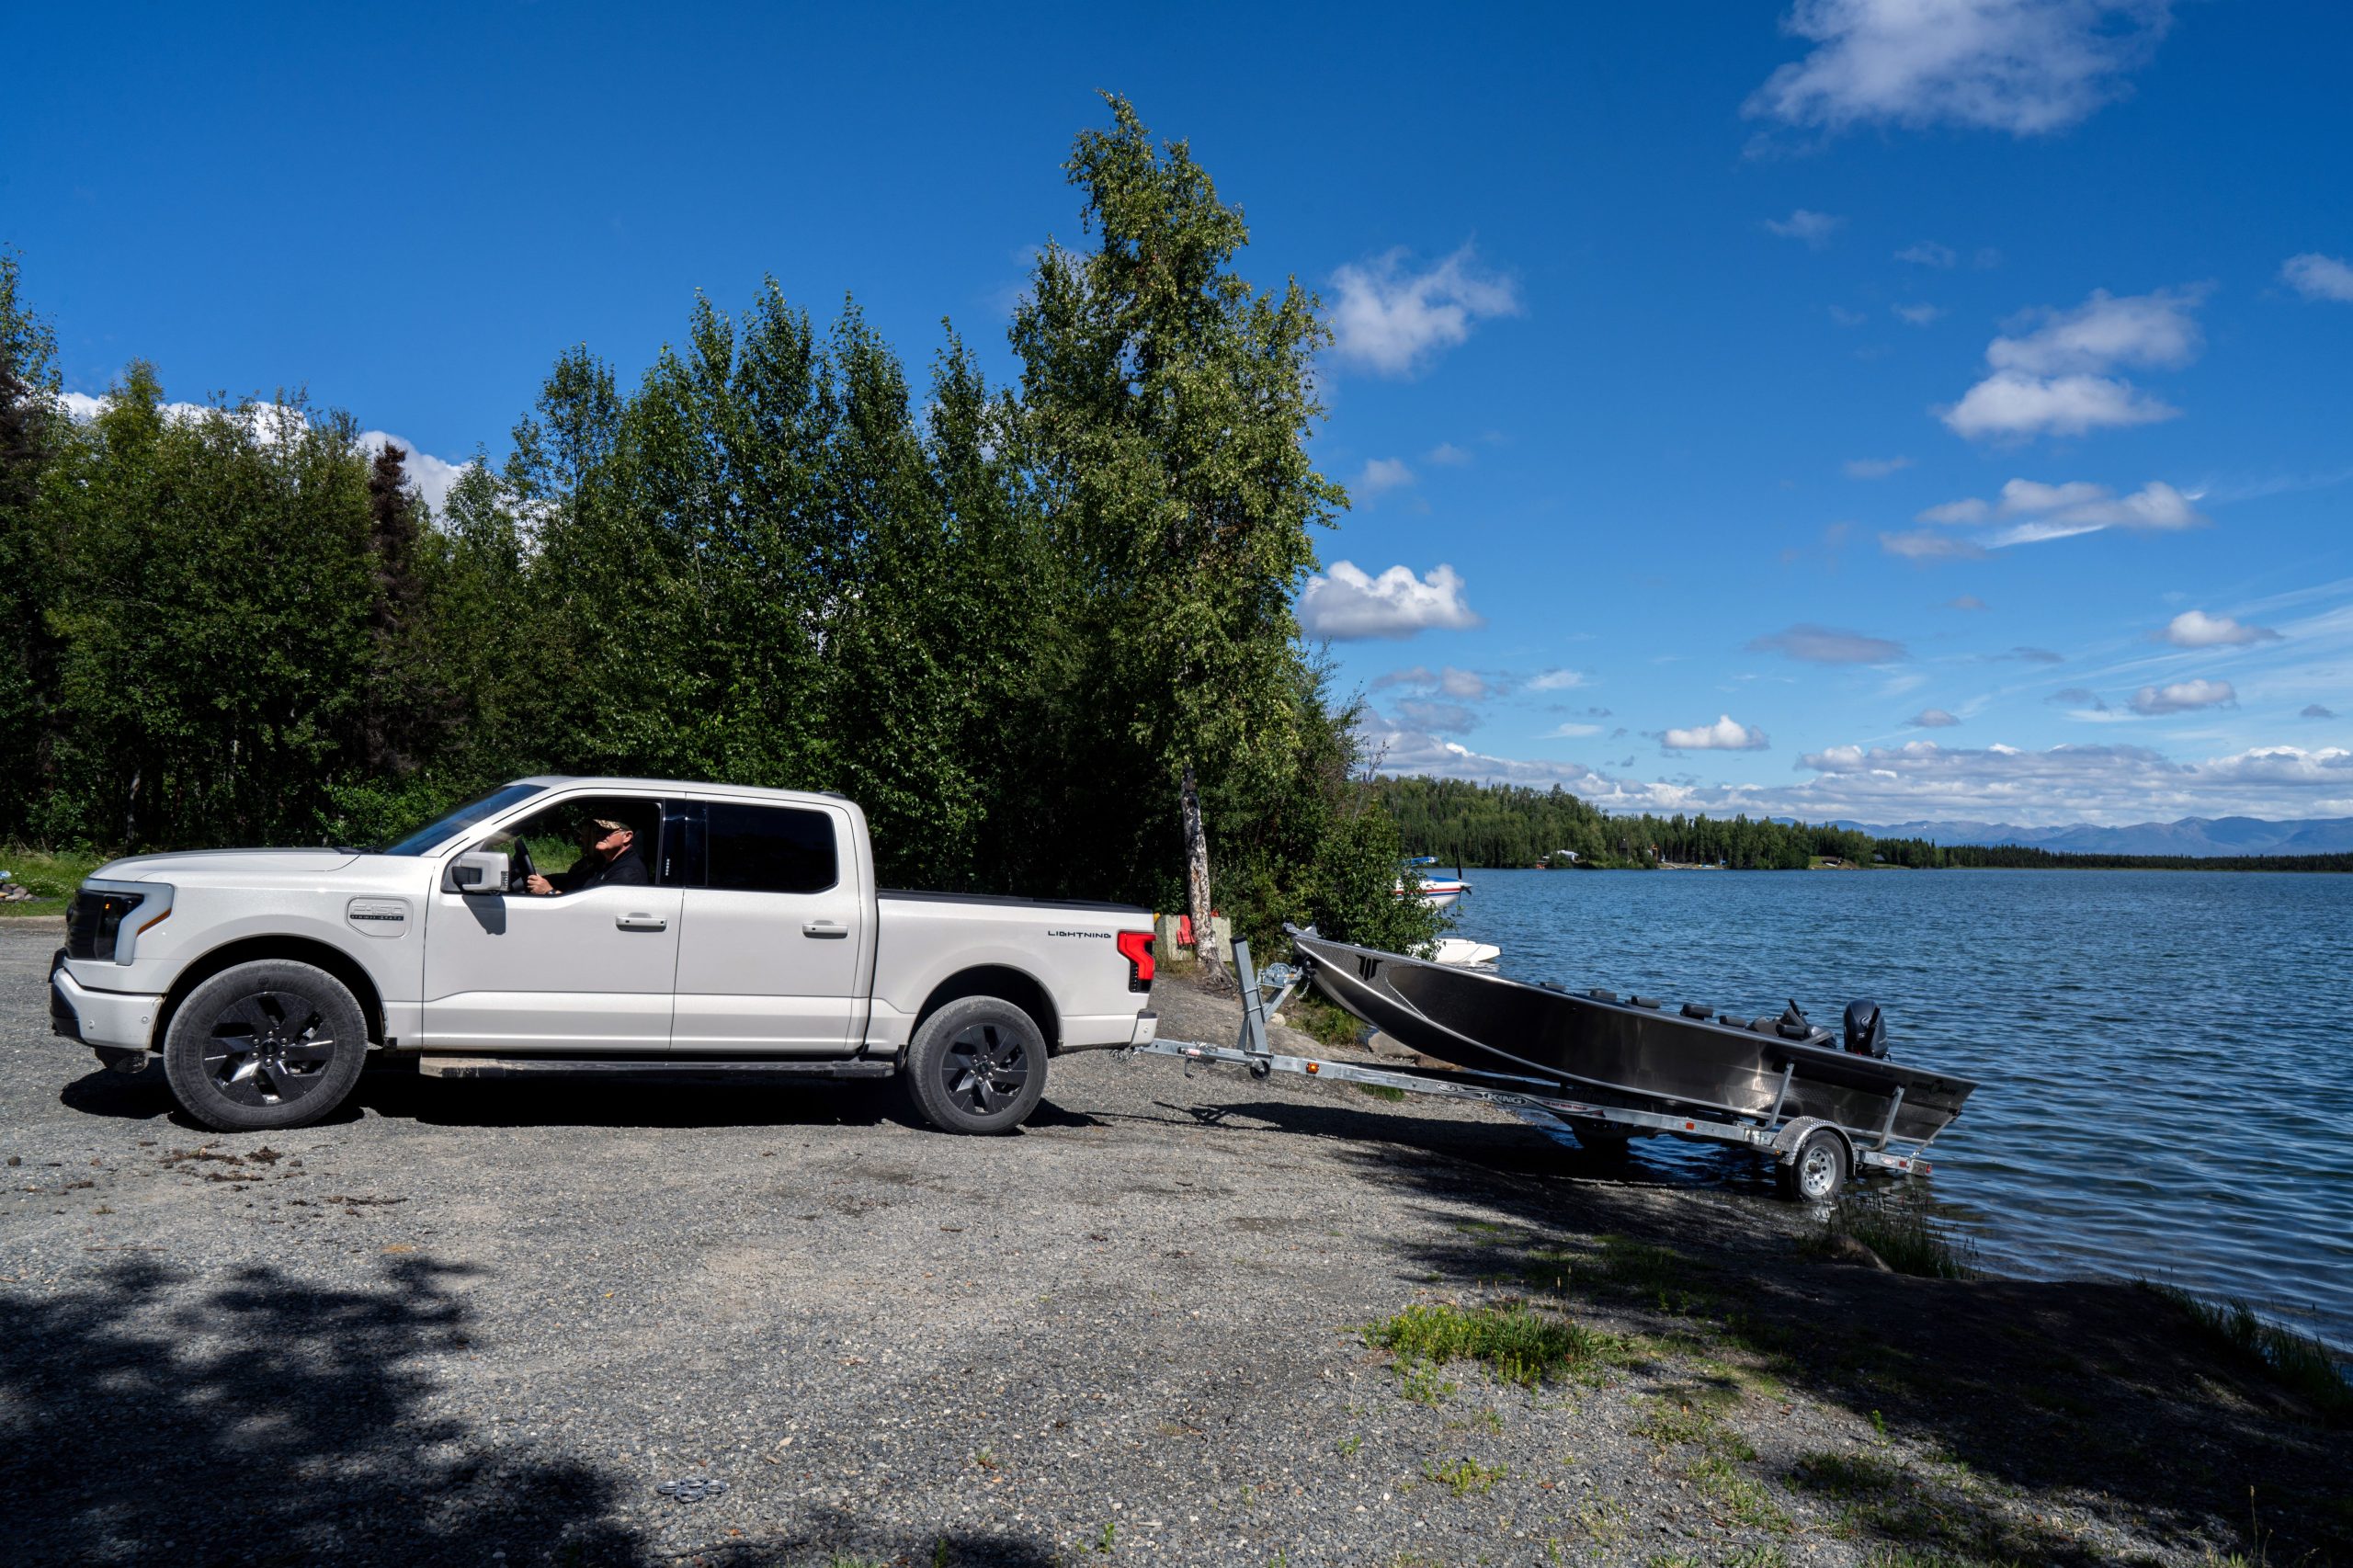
(1136, 948)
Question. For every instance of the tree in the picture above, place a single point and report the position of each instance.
(1168, 404)
(31, 429)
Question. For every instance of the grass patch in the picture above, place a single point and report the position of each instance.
(1512, 1342)
(1325, 1024)
(1388, 1092)
(50, 876)
(1466, 1475)
(2297, 1361)
(1904, 1237)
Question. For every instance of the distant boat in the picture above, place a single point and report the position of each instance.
(1438, 892)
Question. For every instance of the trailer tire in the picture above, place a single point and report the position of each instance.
(265, 1046)
(978, 1066)
(1816, 1170)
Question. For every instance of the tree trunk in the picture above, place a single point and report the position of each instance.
(1196, 882)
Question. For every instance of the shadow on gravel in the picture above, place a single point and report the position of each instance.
(265, 1422)
(2091, 1393)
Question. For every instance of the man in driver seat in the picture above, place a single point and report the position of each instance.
(608, 858)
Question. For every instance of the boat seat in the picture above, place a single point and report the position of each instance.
(1600, 995)
(1643, 1001)
(1769, 1024)
(1696, 1010)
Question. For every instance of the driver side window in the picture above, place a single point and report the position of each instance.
(556, 842)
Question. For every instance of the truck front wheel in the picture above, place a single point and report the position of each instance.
(977, 1065)
(265, 1045)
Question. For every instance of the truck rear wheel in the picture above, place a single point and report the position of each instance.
(977, 1065)
(265, 1045)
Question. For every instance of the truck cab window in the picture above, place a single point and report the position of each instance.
(770, 849)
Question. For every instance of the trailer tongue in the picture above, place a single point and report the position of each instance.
(1794, 1098)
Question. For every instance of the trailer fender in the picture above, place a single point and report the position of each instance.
(1792, 1134)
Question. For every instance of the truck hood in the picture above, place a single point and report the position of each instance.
(210, 863)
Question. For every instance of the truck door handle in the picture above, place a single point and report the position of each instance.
(640, 923)
(824, 928)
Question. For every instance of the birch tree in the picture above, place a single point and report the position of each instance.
(1168, 408)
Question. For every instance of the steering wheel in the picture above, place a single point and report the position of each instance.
(519, 869)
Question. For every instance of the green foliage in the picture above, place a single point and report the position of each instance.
(1007, 626)
(1904, 1237)
(2297, 1361)
(1516, 1343)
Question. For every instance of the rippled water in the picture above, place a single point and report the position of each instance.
(2163, 1060)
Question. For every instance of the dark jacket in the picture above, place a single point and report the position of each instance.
(623, 871)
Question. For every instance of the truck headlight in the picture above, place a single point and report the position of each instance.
(104, 919)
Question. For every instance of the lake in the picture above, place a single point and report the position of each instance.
(2165, 1087)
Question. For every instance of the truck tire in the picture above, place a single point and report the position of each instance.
(265, 1045)
(977, 1065)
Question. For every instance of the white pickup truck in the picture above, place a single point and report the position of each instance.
(707, 931)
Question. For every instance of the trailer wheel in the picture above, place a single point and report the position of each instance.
(1818, 1170)
(977, 1065)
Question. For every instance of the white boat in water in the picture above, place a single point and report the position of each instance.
(1462, 952)
(1438, 892)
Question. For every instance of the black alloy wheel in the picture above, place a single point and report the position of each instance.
(269, 1049)
(266, 1045)
(985, 1067)
(977, 1064)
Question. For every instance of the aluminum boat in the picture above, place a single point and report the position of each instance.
(1637, 1053)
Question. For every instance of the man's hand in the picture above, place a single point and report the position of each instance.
(539, 885)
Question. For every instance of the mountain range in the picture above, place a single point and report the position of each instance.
(2196, 836)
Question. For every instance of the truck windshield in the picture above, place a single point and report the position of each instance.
(443, 828)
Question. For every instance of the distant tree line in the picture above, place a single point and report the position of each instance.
(1514, 824)
(1044, 634)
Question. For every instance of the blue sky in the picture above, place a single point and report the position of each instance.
(1886, 409)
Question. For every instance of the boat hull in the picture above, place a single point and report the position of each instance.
(1616, 1053)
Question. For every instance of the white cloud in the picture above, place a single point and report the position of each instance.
(2183, 696)
(2023, 66)
(2036, 512)
(1813, 228)
(1556, 680)
(1828, 645)
(1451, 718)
(2054, 380)
(1928, 253)
(1926, 544)
(2009, 403)
(1874, 468)
(1934, 719)
(274, 422)
(1846, 317)
(1917, 315)
(1447, 453)
(1467, 685)
(1572, 732)
(1725, 734)
(2106, 330)
(2317, 276)
(1350, 603)
(1380, 475)
(1389, 318)
(2196, 629)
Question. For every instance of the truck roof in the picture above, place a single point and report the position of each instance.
(674, 786)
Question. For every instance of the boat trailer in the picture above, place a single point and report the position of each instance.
(1813, 1156)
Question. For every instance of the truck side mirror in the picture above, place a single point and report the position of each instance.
(477, 872)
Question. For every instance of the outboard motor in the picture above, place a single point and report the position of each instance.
(1865, 1029)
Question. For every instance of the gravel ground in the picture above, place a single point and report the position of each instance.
(484, 1322)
